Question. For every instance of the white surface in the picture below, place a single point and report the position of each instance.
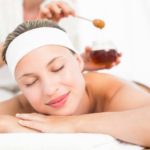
(30, 141)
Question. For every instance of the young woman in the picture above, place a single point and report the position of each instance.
(58, 97)
(31, 10)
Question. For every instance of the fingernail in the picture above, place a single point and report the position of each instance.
(49, 16)
(20, 121)
(59, 10)
(17, 115)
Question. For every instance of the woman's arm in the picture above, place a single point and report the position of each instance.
(17, 104)
(126, 113)
(8, 109)
(130, 126)
(9, 124)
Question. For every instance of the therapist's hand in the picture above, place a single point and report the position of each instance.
(56, 10)
(48, 124)
(9, 124)
(90, 65)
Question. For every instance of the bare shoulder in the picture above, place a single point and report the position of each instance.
(102, 77)
(25, 105)
(106, 83)
(117, 93)
(101, 87)
(17, 104)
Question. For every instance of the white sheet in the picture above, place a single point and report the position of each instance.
(30, 141)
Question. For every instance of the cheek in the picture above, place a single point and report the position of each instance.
(33, 95)
(73, 77)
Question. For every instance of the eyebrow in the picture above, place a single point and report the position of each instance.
(54, 59)
(48, 64)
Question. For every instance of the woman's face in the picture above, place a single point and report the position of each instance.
(51, 79)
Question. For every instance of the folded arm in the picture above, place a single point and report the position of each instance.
(130, 126)
(125, 114)
(8, 109)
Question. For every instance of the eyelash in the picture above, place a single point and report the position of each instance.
(28, 85)
(57, 70)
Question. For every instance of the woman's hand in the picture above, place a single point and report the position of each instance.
(44, 123)
(9, 124)
(90, 65)
(56, 10)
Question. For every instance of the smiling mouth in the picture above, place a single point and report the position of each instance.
(59, 101)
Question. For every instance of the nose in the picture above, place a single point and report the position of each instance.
(49, 87)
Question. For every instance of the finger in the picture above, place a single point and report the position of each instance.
(33, 117)
(32, 125)
(55, 10)
(45, 12)
(111, 65)
(119, 54)
(51, 11)
(87, 52)
(88, 55)
(88, 49)
(66, 9)
(117, 62)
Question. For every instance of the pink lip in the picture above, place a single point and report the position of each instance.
(59, 101)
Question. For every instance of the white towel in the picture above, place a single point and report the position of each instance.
(81, 141)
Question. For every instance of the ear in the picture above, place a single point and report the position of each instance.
(80, 61)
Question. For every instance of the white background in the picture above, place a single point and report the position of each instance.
(127, 26)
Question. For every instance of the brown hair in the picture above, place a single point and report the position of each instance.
(26, 26)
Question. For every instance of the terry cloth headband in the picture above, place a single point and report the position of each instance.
(32, 39)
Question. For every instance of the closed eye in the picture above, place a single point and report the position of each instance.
(30, 84)
(58, 69)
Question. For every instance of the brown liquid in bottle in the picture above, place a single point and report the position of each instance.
(104, 57)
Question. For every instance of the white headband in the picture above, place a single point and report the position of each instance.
(32, 39)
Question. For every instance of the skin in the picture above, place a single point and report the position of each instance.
(56, 79)
(56, 10)
(108, 103)
(97, 103)
(31, 9)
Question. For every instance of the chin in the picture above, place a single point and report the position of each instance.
(65, 113)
